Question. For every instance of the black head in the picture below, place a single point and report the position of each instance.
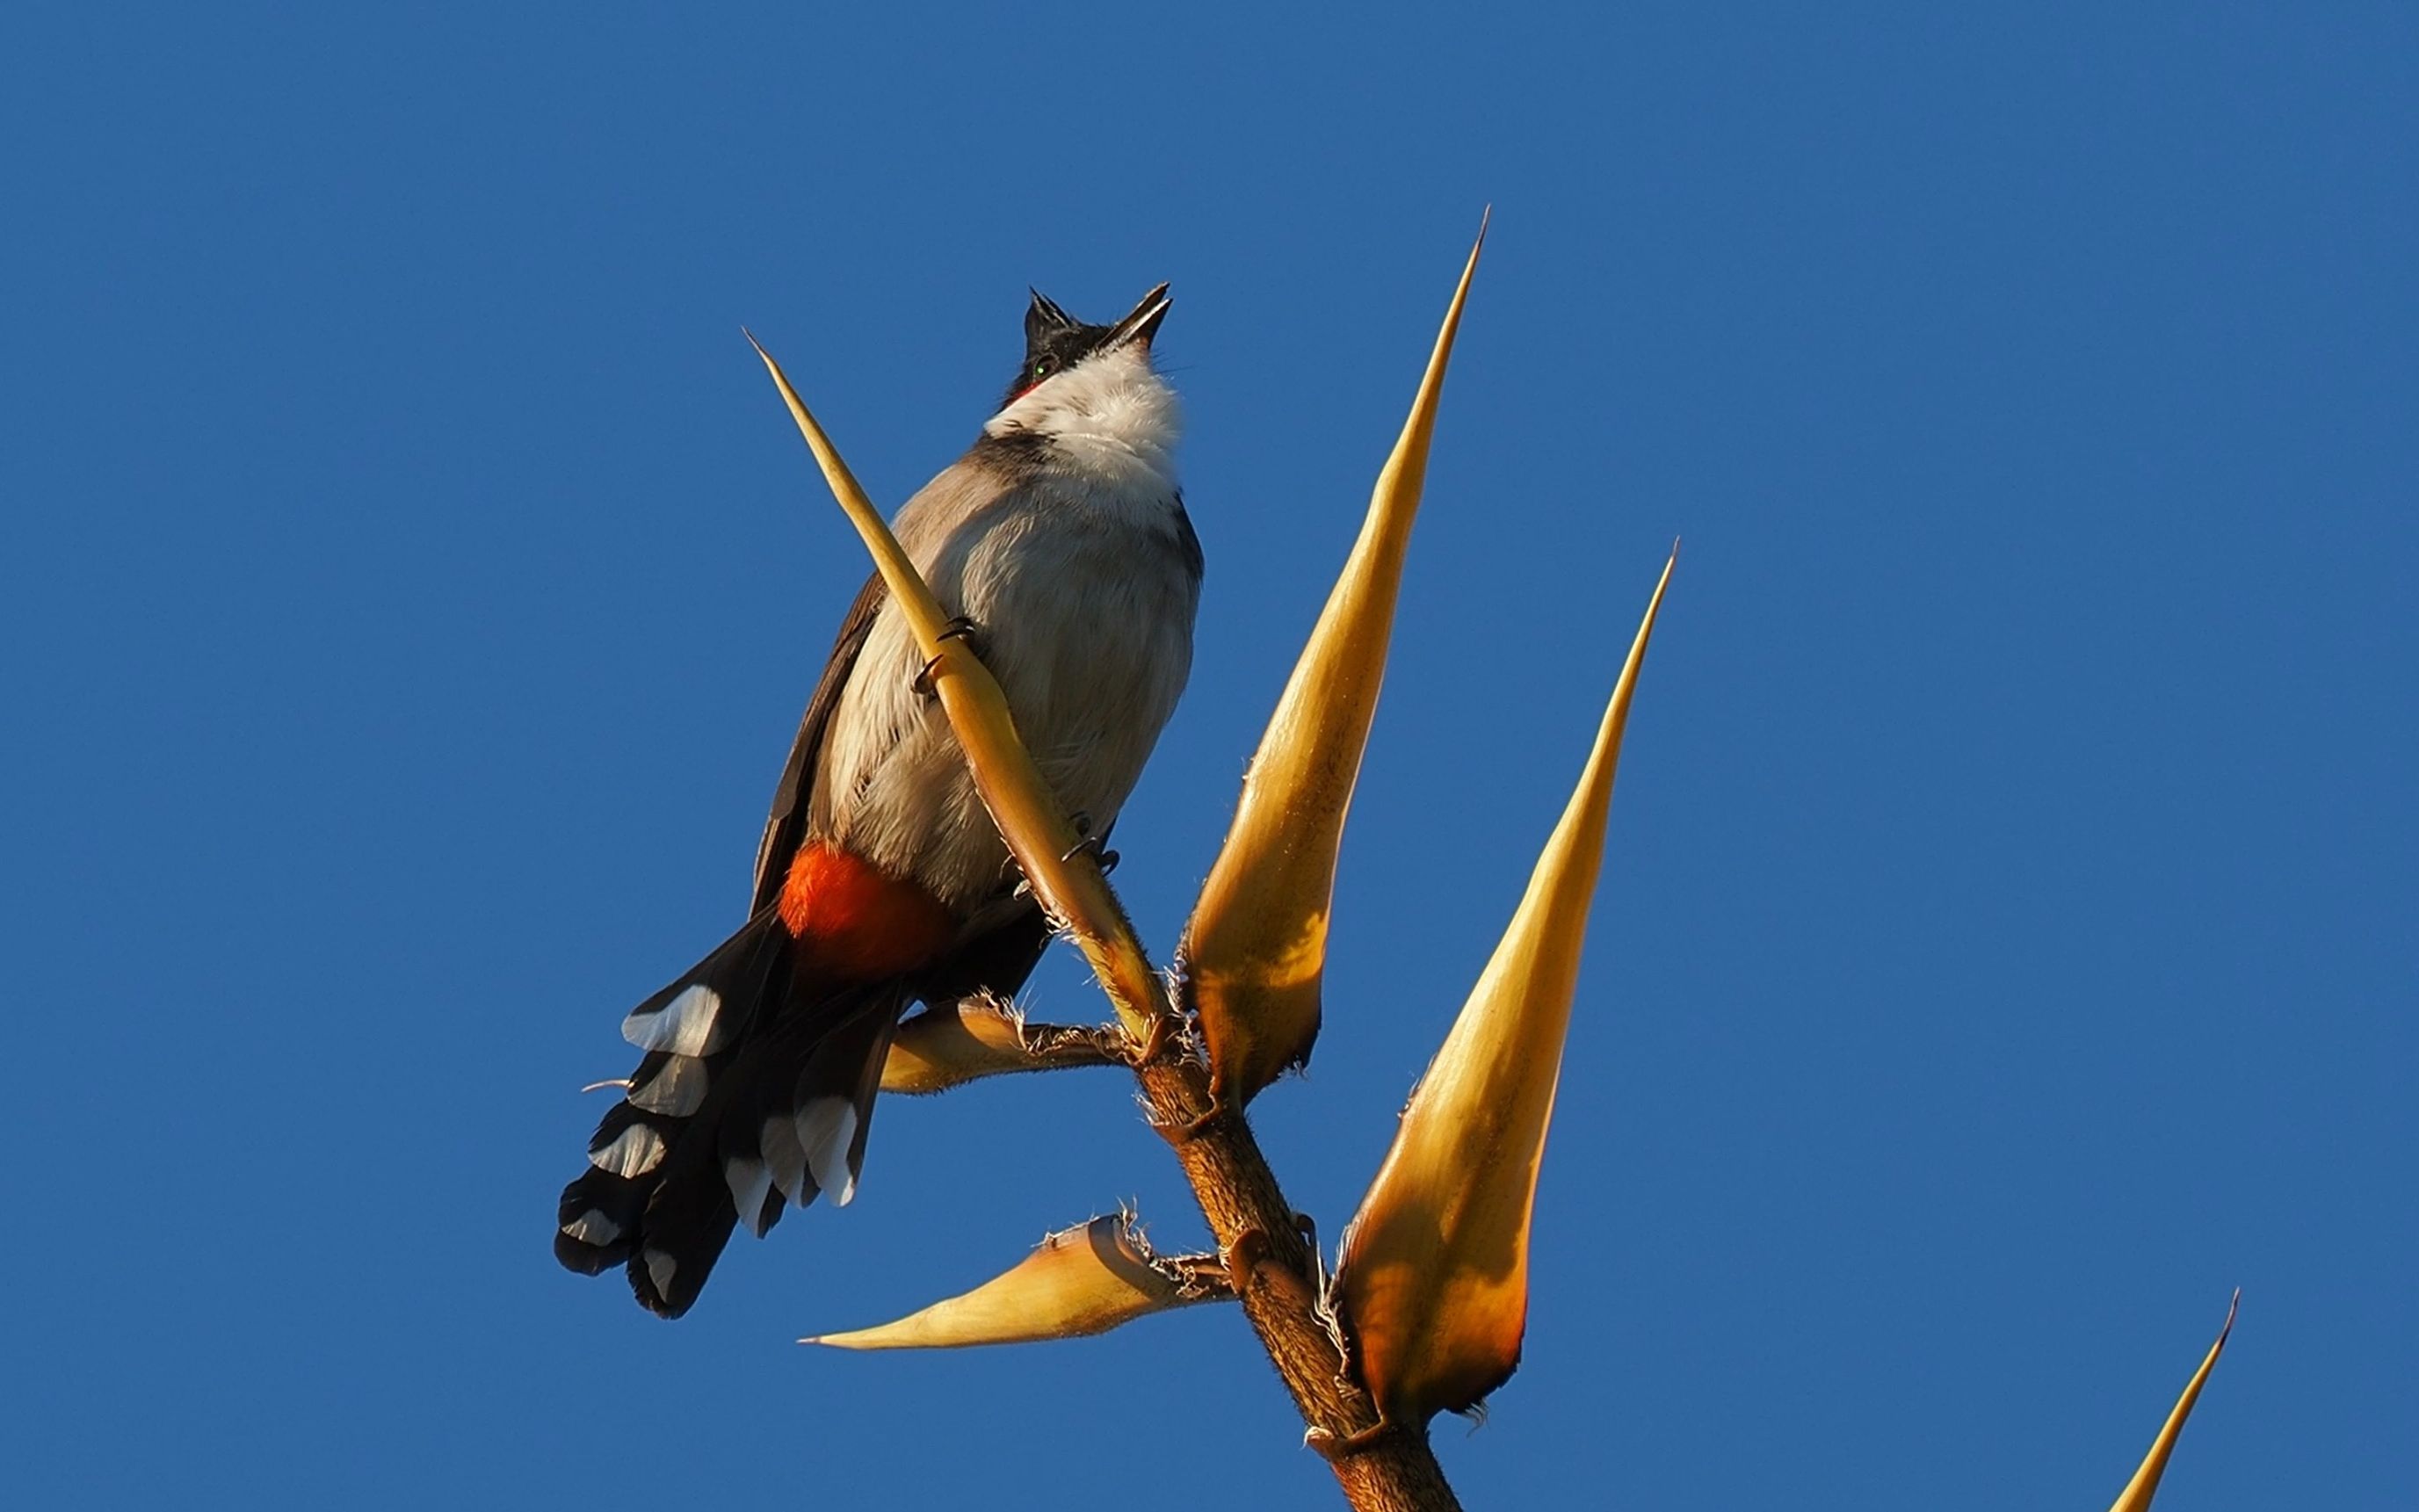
(1055, 341)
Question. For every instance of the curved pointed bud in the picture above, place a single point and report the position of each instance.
(1256, 947)
(2145, 1483)
(962, 1041)
(1083, 1280)
(1065, 874)
(1433, 1285)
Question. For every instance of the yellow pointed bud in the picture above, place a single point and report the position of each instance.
(962, 1041)
(1257, 945)
(1063, 874)
(2145, 1483)
(1083, 1280)
(1433, 1286)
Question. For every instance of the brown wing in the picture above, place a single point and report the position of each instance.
(785, 830)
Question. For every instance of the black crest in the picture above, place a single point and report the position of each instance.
(1044, 320)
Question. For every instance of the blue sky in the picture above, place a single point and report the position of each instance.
(2006, 944)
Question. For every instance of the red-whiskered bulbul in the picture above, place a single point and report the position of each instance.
(1060, 541)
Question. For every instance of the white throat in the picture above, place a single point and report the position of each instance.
(1109, 415)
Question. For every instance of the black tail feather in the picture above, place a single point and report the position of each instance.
(739, 1039)
(694, 1206)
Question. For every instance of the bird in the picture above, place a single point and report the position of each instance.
(1060, 545)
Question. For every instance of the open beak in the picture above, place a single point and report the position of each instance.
(1142, 324)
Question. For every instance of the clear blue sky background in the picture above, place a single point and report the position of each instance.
(2007, 944)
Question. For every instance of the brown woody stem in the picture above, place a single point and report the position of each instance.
(1274, 1274)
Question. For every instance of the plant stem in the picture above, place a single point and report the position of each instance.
(1272, 1268)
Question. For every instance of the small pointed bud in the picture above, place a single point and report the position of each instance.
(1036, 828)
(2145, 1483)
(1256, 947)
(1433, 1285)
(1083, 1280)
(977, 1037)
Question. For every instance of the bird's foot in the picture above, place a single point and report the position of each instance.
(1104, 859)
(958, 628)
